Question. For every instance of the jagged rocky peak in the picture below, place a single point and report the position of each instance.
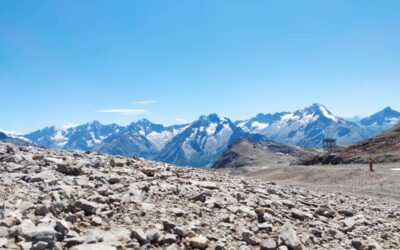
(211, 118)
(322, 111)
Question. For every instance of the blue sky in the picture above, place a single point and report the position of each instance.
(65, 61)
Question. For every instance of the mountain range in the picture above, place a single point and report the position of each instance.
(305, 127)
(203, 141)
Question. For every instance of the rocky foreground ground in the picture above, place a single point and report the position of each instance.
(53, 199)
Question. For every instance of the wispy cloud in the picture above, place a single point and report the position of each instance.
(181, 120)
(146, 102)
(124, 111)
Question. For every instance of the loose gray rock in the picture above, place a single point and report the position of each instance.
(268, 244)
(68, 169)
(198, 242)
(289, 237)
(132, 203)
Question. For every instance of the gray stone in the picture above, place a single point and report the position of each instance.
(167, 239)
(62, 227)
(177, 211)
(349, 222)
(325, 210)
(288, 203)
(96, 246)
(168, 225)
(114, 180)
(41, 210)
(71, 218)
(198, 242)
(208, 185)
(357, 244)
(268, 244)
(3, 242)
(9, 221)
(13, 159)
(40, 245)
(36, 178)
(115, 162)
(335, 233)
(96, 221)
(181, 232)
(247, 236)
(89, 207)
(289, 237)
(42, 232)
(153, 235)
(68, 169)
(283, 248)
(139, 235)
(297, 214)
(345, 212)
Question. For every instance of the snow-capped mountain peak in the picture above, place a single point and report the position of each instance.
(321, 110)
(157, 134)
(202, 142)
(386, 118)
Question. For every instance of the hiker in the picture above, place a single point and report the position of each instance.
(370, 164)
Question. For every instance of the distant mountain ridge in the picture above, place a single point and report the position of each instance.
(306, 127)
(142, 138)
(201, 142)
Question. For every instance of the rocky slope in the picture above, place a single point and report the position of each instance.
(54, 199)
(384, 147)
(247, 153)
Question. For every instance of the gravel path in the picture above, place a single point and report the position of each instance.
(383, 184)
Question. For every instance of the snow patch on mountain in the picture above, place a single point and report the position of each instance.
(328, 114)
(258, 125)
(59, 139)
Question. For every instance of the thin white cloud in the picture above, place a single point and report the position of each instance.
(146, 102)
(124, 111)
(181, 120)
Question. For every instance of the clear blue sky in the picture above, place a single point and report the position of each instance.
(64, 61)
